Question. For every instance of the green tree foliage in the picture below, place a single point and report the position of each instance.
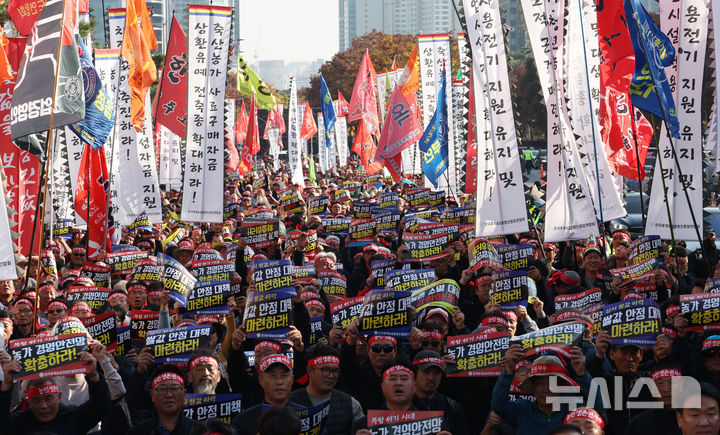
(340, 72)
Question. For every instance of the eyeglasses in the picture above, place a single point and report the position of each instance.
(56, 311)
(164, 390)
(327, 371)
(388, 348)
(433, 343)
(25, 311)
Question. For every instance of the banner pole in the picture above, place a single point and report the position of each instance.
(674, 154)
(665, 189)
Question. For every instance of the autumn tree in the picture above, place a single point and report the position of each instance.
(341, 71)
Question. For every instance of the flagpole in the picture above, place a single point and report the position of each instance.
(43, 176)
(672, 148)
(592, 126)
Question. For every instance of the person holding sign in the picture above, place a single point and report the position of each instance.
(46, 412)
(168, 395)
(538, 416)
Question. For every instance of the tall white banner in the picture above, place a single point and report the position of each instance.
(500, 189)
(170, 159)
(569, 209)
(207, 67)
(582, 93)
(434, 54)
(341, 140)
(714, 134)
(323, 151)
(293, 129)
(692, 37)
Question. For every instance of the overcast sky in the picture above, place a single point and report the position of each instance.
(292, 30)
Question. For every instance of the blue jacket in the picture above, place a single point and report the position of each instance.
(525, 415)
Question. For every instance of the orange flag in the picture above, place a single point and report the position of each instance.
(137, 42)
(363, 101)
(5, 69)
(410, 80)
(309, 128)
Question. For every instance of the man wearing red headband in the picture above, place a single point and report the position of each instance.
(46, 413)
(204, 373)
(276, 379)
(323, 372)
(659, 420)
(588, 420)
(167, 392)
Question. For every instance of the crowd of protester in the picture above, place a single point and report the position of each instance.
(132, 393)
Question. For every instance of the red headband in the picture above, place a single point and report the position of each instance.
(25, 302)
(669, 331)
(483, 278)
(587, 413)
(44, 286)
(397, 368)
(522, 363)
(375, 338)
(433, 334)
(315, 302)
(80, 307)
(203, 359)
(117, 295)
(137, 287)
(665, 373)
(268, 345)
(538, 369)
(709, 344)
(672, 309)
(42, 390)
(510, 315)
(57, 304)
(567, 315)
(323, 359)
(495, 319)
(275, 359)
(168, 376)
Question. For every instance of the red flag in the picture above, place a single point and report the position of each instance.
(400, 129)
(5, 69)
(91, 198)
(84, 6)
(363, 144)
(252, 141)
(343, 106)
(363, 102)
(542, 175)
(275, 120)
(616, 116)
(241, 125)
(309, 128)
(471, 156)
(172, 99)
(24, 13)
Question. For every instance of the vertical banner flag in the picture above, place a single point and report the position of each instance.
(363, 102)
(434, 52)
(434, 142)
(138, 39)
(323, 151)
(341, 140)
(582, 93)
(172, 101)
(61, 187)
(170, 172)
(570, 214)
(232, 159)
(499, 177)
(327, 109)
(91, 199)
(203, 181)
(7, 258)
(248, 83)
(33, 95)
(649, 83)
(691, 49)
(294, 153)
